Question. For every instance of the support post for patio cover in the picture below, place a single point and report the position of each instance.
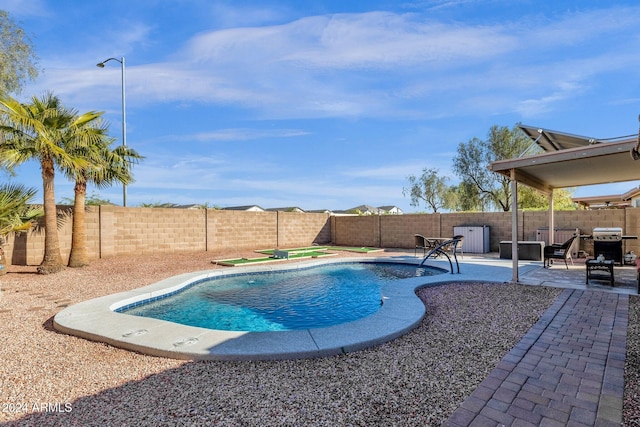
(514, 225)
(552, 226)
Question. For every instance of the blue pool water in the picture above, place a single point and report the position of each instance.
(307, 298)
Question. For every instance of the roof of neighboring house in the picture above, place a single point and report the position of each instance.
(320, 211)
(390, 208)
(634, 192)
(608, 201)
(287, 209)
(192, 206)
(366, 209)
(362, 209)
(243, 208)
(369, 210)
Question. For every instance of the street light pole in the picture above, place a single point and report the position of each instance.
(124, 116)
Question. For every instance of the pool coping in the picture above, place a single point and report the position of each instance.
(400, 312)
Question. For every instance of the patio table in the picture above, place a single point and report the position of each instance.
(435, 241)
(601, 267)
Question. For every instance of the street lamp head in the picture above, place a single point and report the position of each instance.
(101, 64)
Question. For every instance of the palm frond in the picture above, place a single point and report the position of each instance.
(15, 213)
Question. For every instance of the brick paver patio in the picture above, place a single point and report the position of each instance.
(568, 370)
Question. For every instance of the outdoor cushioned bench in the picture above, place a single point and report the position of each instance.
(527, 250)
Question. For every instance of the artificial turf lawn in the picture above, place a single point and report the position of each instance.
(307, 252)
(322, 248)
(294, 255)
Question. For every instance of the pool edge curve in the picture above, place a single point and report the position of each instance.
(96, 320)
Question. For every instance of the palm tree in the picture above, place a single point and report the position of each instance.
(46, 131)
(15, 212)
(104, 167)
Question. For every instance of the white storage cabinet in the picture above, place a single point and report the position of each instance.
(476, 238)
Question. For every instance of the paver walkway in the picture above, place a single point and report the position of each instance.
(568, 370)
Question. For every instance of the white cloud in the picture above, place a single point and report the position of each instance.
(378, 40)
(227, 135)
(375, 64)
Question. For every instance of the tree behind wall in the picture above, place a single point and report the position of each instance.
(465, 197)
(472, 164)
(17, 58)
(430, 188)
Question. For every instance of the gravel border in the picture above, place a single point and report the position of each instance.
(631, 406)
(48, 378)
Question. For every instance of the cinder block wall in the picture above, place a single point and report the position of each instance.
(357, 230)
(631, 227)
(235, 231)
(150, 230)
(28, 248)
(297, 229)
(114, 230)
(397, 231)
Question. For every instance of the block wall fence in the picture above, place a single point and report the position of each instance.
(118, 231)
(397, 231)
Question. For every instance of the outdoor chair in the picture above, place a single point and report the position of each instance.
(557, 251)
(421, 242)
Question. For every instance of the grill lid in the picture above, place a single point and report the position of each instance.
(607, 233)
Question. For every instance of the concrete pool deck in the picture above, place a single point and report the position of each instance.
(400, 312)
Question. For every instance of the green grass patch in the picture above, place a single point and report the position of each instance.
(354, 249)
(294, 253)
(294, 250)
(323, 248)
(251, 261)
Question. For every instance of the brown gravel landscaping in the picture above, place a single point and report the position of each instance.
(48, 378)
(631, 414)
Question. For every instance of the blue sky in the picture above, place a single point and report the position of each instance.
(328, 104)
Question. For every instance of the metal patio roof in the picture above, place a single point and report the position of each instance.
(572, 161)
(551, 140)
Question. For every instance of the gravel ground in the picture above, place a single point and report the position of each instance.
(631, 414)
(48, 378)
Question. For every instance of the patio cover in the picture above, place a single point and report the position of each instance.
(569, 161)
(551, 140)
(598, 163)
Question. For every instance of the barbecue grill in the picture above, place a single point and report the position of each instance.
(608, 242)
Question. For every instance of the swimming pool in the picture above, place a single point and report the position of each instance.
(314, 297)
(99, 320)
